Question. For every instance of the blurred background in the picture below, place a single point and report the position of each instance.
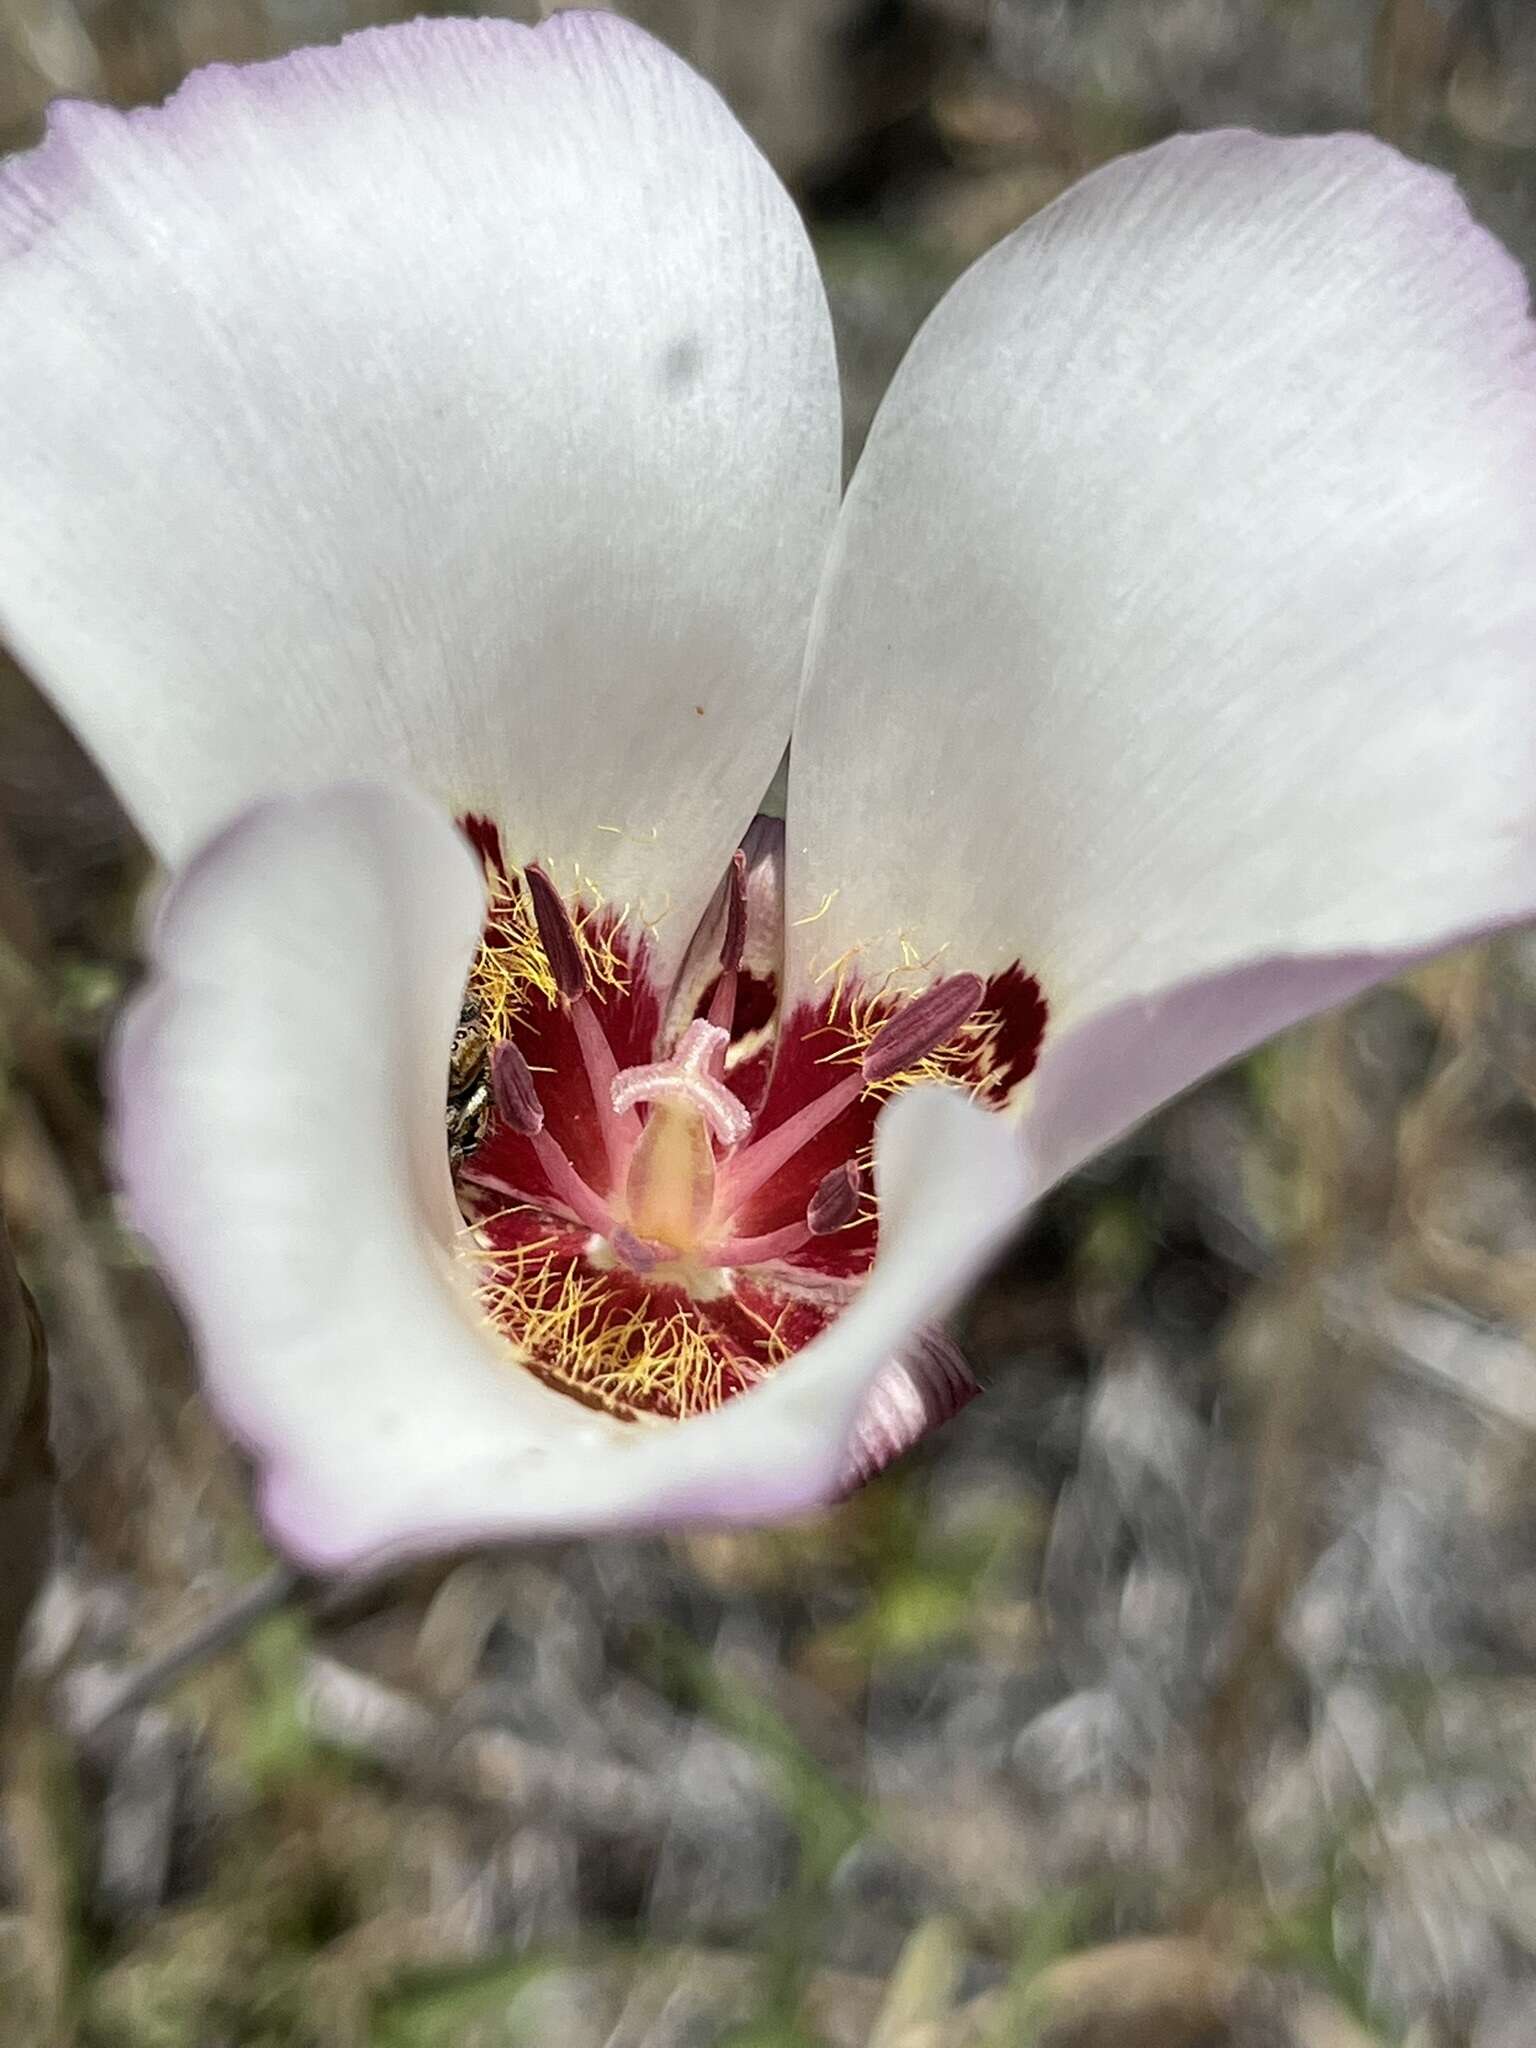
(1182, 1693)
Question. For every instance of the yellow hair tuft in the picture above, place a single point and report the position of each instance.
(582, 1331)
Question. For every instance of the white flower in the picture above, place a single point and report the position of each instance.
(444, 427)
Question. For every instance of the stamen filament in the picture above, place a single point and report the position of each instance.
(755, 1251)
(746, 1171)
(582, 1201)
(915, 1031)
(722, 1006)
(570, 1190)
(562, 949)
(834, 1203)
(516, 1095)
(620, 1127)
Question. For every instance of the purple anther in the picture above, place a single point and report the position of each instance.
(557, 934)
(922, 1026)
(514, 1093)
(735, 913)
(835, 1202)
(640, 1254)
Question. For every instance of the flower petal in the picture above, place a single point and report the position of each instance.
(1102, 1075)
(953, 1181)
(279, 1090)
(1182, 612)
(454, 406)
(923, 1386)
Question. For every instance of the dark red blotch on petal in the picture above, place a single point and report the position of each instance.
(546, 1038)
(805, 1065)
(485, 838)
(1018, 1002)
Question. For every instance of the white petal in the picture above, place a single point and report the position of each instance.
(454, 406)
(279, 1093)
(1182, 614)
(1100, 1076)
(921, 1388)
(953, 1181)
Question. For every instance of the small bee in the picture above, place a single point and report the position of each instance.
(469, 1084)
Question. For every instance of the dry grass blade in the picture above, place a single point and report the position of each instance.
(1170, 1990)
(26, 1476)
(1413, 41)
(921, 1992)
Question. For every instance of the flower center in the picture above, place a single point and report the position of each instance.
(669, 1183)
(656, 1229)
(682, 1164)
